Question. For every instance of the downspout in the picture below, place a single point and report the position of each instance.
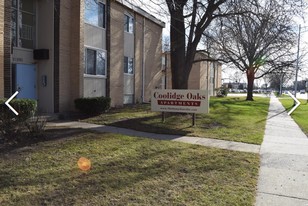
(134, 64)
(56, 70)
(208, 76)
(208, 65)
(214, 78)
(143, 61)
(7, 51)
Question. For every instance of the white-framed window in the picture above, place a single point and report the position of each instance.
(128, 65)
(95, 13)
(23, 23)
(128, 23)
(95, 62)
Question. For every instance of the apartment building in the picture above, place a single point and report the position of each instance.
(204, 75)
(56, 51)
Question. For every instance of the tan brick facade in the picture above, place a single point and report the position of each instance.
(200, 76)
(147, 55)
(139, 57)
(153, 58)
(70, 54)
(218, 82)
(7, 74)
(1, 49)
(65, 40)
(116, 53)
(205, 75)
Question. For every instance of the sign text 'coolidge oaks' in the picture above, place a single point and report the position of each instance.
(188, 101)
(178, 96)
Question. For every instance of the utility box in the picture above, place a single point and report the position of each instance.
(41, 54)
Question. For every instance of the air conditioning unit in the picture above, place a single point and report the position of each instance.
(41, 54)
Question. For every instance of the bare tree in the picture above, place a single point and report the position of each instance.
(189, 22)
(258, 42)
(280, 78)
(236, 77)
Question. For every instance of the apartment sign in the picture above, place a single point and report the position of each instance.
(182, 101)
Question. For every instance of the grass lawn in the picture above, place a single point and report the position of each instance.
(230, 118)
(125, 171)
(300, 114)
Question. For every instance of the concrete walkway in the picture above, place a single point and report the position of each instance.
(222, 144)
(283, 175)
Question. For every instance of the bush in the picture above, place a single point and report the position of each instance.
(93, 105)
(222, 92)
(11, 124)
(36, 126)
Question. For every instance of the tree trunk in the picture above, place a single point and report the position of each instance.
(250, 78)
(179, 76)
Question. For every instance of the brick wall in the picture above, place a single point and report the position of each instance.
(139, 25)
(1, 48)
(168, 72)
(70, 53)
(218, 75)
(148, 53)
(194, 80)
(64, 55)
(152, 57)
(7, 49)
(200, 75)
(77, 49)
(56, 55)
(116, 74)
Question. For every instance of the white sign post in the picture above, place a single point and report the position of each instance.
(180, 101)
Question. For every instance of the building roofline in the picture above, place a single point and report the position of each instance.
(204, 53)
(142, 12)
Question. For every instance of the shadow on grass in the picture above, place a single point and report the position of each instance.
(118, 180)
(26, 140)
(157, 125)
(113, 175)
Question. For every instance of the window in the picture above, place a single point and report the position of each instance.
(95, 62)
(95, 13)
(128, 65)
(128, 24)
(23, 23)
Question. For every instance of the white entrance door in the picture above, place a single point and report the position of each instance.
(25, 80)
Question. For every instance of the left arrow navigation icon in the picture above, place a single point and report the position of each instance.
(8, 101)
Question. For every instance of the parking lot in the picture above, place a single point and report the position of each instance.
(301, 96)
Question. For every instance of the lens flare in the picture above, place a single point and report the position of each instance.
(84, 164)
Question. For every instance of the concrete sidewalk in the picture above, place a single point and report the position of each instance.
(283, 175)
(222, 144)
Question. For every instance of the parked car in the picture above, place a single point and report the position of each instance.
(302, 91)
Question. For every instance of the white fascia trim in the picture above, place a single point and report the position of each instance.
(141, 12)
